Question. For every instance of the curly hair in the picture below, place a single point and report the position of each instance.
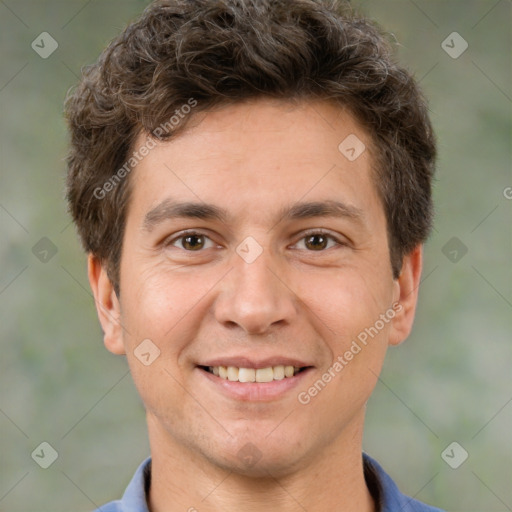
(217, 52)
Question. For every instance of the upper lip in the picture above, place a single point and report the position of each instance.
(250, 362)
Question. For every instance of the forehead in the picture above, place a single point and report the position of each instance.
(264, 151)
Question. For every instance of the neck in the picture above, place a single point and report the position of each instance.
(183, 480)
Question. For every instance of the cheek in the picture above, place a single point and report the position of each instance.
(346, 302)
(349, 312)
(154, 297)
(159, 316)
(166, 306)
(340, 389)
(356, 339)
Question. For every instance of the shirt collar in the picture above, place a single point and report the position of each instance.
(134, 498)
(384, 491)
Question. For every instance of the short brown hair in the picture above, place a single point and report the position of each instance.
(226, 51)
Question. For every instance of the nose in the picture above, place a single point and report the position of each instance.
(255, 297)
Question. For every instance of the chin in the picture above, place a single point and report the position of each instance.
(258, 456)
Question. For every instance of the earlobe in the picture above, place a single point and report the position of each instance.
(107, 305)
(406, 296)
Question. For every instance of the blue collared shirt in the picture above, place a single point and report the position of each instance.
(383, 489)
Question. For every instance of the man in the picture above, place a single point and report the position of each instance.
(251, 180)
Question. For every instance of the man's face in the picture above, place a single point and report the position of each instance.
(252, 277)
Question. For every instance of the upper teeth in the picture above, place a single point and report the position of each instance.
(269, 374)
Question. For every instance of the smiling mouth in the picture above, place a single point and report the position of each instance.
(248, 375)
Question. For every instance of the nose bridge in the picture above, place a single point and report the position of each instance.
(254, 296)
(255, 279)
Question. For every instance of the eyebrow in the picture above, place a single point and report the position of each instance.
(170, 209)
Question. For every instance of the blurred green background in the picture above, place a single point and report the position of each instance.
(451, 381)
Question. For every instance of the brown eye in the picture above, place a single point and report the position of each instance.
(319, 241)
(316, 242)
(193, 242)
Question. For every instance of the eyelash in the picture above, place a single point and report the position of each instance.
(184, 234)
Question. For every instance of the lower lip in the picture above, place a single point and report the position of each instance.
(255, 391)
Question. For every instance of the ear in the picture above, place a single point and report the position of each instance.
(406, 296)
(107, 305)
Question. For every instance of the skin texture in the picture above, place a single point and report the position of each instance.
(254, 160)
